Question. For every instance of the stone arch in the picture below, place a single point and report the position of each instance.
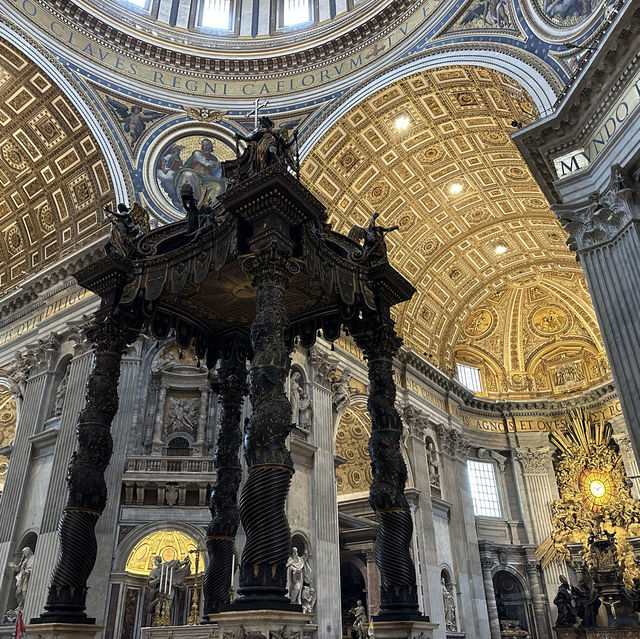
(532, 81)
(512, 596)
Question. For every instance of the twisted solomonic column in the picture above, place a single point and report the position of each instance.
(398, 597)
(87, 489)
(231, 387)
(262, 504)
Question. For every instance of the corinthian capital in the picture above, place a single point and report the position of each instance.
(322, 365)
(452, 442)
(601, 217)
(534, 461)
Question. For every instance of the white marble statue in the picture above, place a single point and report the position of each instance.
(61, 393)
(295, 395)
(449, 606)
(305, 413)
(434, 476)
(309, 597)
(296, 569)
(23, 574)
(339, 390)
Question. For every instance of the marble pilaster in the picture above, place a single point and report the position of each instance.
(492, 608)
(464, 538)
(604, 231)
(539, 490)
(325, 512)
(47, 548)
(540, 607)
(425, 536)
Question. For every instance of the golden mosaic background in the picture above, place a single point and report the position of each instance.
(7, 428)
(53, 178)
(352, 443)
(524, 317)
(168, 544)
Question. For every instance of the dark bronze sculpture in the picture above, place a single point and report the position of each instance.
(269, 227)
(564, 603)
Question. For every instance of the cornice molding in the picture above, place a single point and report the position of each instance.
(358, 37)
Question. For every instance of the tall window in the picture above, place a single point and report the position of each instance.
(216, 14)
(139, 3)
(295, 12)
(469, 377)
(484, 489)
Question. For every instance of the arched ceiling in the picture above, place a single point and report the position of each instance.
(461, 193)
(53, 177)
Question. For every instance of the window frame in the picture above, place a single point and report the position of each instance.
(232, 27)
(277, 17)
(478, 498)
(470, 367)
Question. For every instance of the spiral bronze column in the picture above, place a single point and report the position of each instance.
(262, 504)
(376, 336)
(231, 387)
(87, 489)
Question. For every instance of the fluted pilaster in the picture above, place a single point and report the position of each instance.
(605, 233)
(492, 608)
(325, 528)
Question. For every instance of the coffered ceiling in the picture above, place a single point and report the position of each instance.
(496, 285)
(53, 178)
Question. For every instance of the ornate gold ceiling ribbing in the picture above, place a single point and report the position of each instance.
(53, 177)
(497, 286)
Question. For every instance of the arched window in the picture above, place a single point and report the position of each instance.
(178, 447)
(216, 14)
(295, 12)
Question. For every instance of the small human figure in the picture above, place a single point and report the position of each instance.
(374, 246)
(267, 145)
(134, 119)
(295, 395)
(361, 621)
(198, 215)
(125, 228)
(23, 569)
(587, 603)
(564, 603)
(434, 476)
(153, 583)
(339, 389)
(308, 599)
(449, 606)
(305, 413)
(295, 576)
(61, 393)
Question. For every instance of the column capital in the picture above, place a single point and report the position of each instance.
(416, 422)
(452, 442)
(322, 366)
(534, 461)
(531, 566)
(601, 217)
(487, 563)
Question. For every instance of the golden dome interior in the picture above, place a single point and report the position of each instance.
(497, 288)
